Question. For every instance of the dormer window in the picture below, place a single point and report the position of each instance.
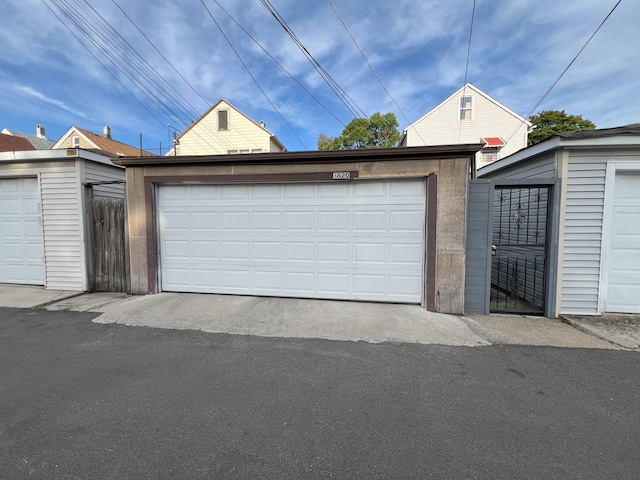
(223, 119)
(75, 141)
(466, 107)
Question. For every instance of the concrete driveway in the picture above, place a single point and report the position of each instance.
(300, 318)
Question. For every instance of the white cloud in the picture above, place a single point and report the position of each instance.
(51, 101)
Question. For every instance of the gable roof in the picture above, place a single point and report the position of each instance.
(474, 89)
(103, 144)
(213, 107)
(10, 143)
(39, 143)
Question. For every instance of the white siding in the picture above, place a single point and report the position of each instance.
(61, 219)
(443, 127)
(96, 172)
(583, 233)
(63, 245)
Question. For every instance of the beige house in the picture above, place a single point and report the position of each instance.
(80, 138)
(224, 129)
(470, 116)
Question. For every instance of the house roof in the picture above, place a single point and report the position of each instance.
(625, 136)
(213, 107)
(39, 143)
(103, 144)
(474, 89)
(10, 143)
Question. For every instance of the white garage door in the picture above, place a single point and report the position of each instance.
(361, 240)
(21, 247)
(623, 289)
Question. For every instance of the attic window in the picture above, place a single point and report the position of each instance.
(466, 107)
(75, 141)
(223, 119)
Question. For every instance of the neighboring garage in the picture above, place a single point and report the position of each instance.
(597, 265)
(43, 237)
(374, 225)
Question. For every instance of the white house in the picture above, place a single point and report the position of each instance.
(469, 115)
(42, 215)
(223, 129)
(598, 234)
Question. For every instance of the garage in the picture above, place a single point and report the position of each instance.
(21, 241)
(360, 240)
(624, 254)
(380, 224)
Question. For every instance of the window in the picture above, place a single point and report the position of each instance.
(466, 106)
(75, 141)
(223, 119)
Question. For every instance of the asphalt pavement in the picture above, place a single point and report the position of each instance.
(79, 399)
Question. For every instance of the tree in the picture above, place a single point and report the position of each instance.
(378, 131)
(550, 122)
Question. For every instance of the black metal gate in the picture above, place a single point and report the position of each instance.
(519, 249)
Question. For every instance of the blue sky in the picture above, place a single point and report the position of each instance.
(418, 49)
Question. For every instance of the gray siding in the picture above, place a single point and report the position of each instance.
(583, 233)
(540, 167)
(476, 289)
(97, 172)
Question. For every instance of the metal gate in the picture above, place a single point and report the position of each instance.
(512, 246)
(519, 249)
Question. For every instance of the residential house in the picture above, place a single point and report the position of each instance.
(571, 205)
(43, 220)
(80, 138)
(469, 115)
(39, 141)
(224, 129)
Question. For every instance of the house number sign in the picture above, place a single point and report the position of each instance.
(342, 175)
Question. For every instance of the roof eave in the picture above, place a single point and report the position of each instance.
(323, 156)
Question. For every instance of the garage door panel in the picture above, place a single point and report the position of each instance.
(299, 221)
(235, 221)
(207, 221)
(266, 221)
(333, 240)
(624, 255)
(333, 252)
(21, 240)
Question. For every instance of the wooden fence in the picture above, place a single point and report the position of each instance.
(107, 255)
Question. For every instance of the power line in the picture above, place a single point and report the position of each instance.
(466, 68)
(101, 63)
(348, 102)
(574, 59)
(372, 69)
(160, 53)
(568, 66)
(251, 75)
(278, 63)
(133, 67)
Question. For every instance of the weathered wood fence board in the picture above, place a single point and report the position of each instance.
(108, 270)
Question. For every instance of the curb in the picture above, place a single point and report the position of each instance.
(614, 338)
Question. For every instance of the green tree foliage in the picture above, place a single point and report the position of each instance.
(550, 122)
(378, 131)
